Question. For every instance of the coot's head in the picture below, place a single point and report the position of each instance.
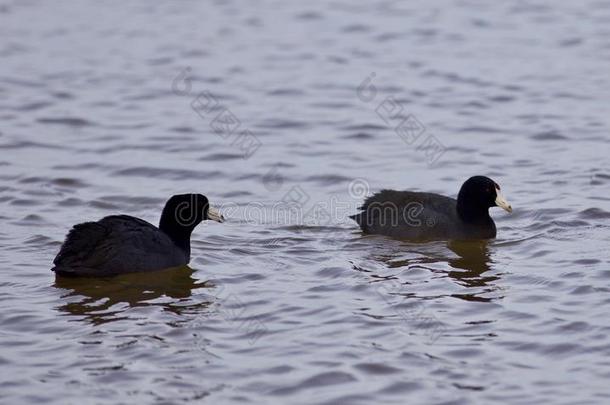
(186, 211)
(479, 193)
(182, 213)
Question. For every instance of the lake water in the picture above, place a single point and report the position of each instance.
(112, 107)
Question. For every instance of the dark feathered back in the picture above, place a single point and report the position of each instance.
(425, 216)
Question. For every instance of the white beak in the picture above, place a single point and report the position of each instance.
(502, 203)
(215, 215)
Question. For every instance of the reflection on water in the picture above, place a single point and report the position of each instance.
(100, 299)
(473, 260)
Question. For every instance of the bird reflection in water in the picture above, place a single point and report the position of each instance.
(469, 267)
(472, 262)
(97, 298)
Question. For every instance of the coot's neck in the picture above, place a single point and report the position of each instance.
(179, 234)
(473, 213)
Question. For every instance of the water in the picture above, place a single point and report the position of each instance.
(97, 118)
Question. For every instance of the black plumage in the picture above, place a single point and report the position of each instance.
(429, 216)
(120, 244)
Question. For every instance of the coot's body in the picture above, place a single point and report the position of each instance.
(115, 245)
(121, 244)
(428, 216)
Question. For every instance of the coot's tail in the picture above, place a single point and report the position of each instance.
(359, 219)
(65, 271)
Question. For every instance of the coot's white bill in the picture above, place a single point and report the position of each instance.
(215, 215)
(502, 203)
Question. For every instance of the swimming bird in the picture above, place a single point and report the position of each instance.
(121, 244)
(429, 216)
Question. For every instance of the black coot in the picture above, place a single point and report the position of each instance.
(123, 244)
(428, 216)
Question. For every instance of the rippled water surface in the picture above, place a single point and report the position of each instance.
(107, 107)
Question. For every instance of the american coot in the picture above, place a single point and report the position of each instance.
(429, 216)
(123, 244)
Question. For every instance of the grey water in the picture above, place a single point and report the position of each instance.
(111, 107)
